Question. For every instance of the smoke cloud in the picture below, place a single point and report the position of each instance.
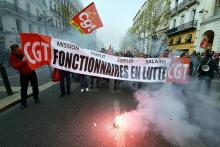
(179, 118)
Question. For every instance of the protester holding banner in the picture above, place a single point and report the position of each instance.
(18, 62)
(64, 76)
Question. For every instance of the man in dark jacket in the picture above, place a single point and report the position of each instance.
(18, 62)
(207, 75)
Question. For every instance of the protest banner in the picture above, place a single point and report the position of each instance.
(87, 20)
(43, 50)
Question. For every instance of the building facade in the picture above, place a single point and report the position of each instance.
(140, 45)
(183, 24)
(209, 26)
(39, 16)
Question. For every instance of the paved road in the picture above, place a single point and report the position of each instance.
(77, 120)
(86, 120)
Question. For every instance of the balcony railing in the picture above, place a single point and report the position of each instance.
(17, 10)
(183, 5)
(183, 27)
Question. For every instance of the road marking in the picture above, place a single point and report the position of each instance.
(119, 135)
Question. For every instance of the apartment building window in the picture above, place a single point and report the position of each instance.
(28, 8)
(56, 24)
(39, 29)
(178, 40)
(188, 38)
(217, 3)
(18, 25)
(1, 25)
(30, 28)
(170, 41)
(174, 23)
(44, 2)
(176, 3)
(55, 7)
(169, 5)
(37, 12)
(16, 3)
(182, 19)
(50, 5)
(193, 15)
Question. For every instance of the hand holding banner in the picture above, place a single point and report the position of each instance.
(87, 20)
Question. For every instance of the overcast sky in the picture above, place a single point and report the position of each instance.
(117, 16)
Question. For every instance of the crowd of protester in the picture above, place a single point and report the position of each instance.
(202, 67)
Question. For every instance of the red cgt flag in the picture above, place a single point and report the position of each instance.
(204, 43)
(87, 20)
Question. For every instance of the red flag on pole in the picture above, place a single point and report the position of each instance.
(204, 43)
(87, 20)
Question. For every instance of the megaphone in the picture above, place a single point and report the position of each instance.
(206, 68)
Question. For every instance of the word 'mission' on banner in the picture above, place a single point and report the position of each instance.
(43, 50)
(87, 20)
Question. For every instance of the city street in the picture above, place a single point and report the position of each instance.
(85, 119)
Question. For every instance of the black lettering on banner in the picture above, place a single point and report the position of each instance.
(154, 73)
(132, 72)
(97, 65)
(108, 71)
(55, 52)
(61, 58)
(59, 43)
(149, 73)
(159, 74)
(75, 59)
(126, 71)
(144, 74)
(82, 58)
(113, 70)
(121, 71)
(91, 64)
(164, 71)
(67, 45)
(137, 72)
(116, 71)
(103, 68)
(68, 60)
(86, 64)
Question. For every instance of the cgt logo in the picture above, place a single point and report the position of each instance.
(39, 55)
(86, 23)
(37, 49)
(178, 71)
